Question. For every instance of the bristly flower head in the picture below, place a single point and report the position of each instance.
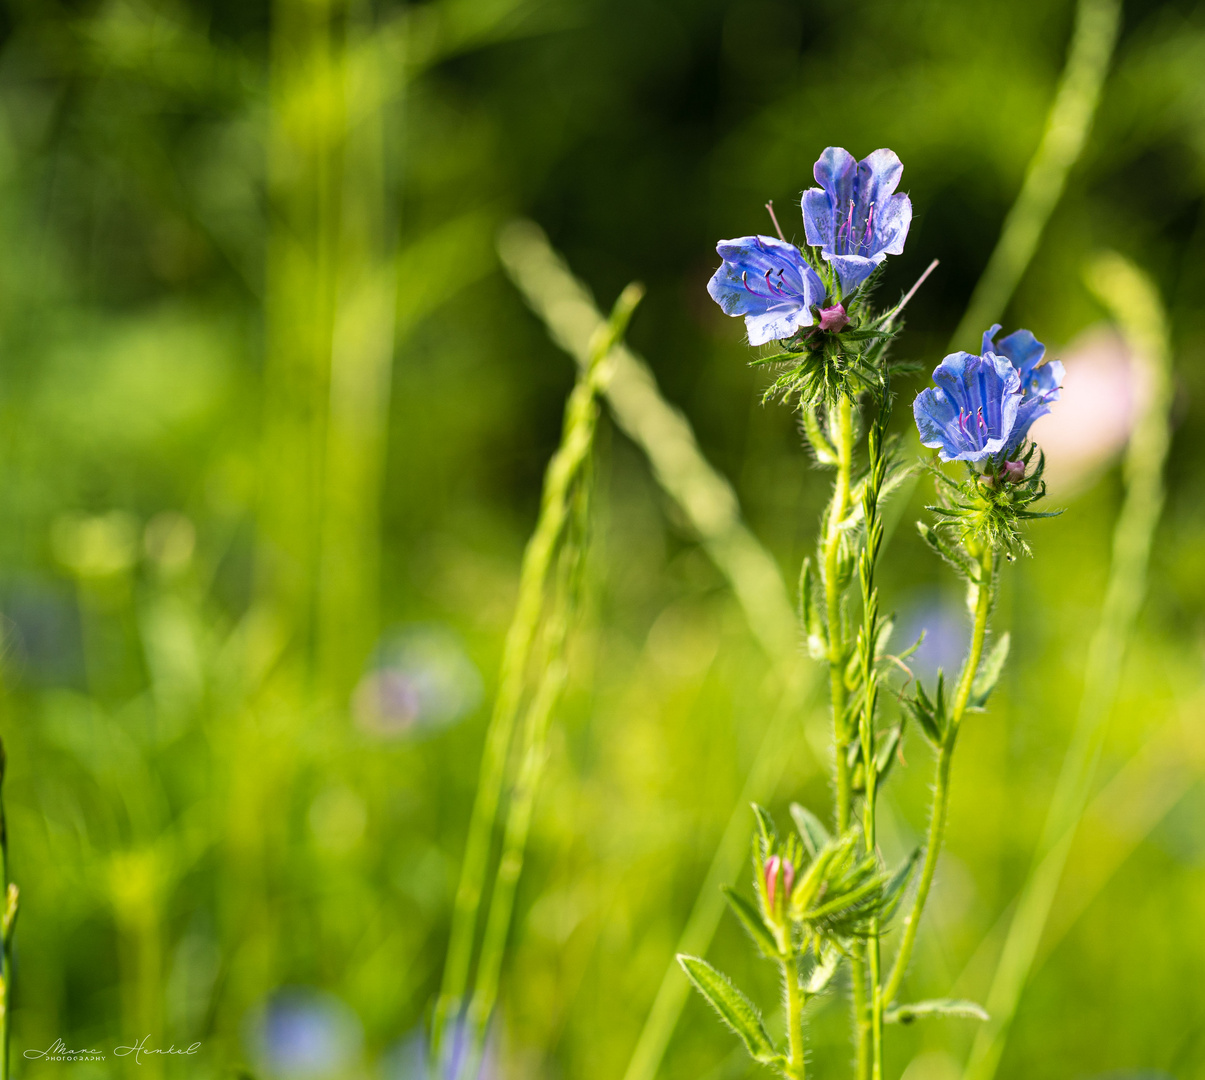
(770, 283)
(856, 217)
(983, 406)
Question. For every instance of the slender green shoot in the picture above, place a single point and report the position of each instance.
(556, 513)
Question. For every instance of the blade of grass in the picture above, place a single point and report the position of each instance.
(1067, 126)
(710, 504)
(1135, 304)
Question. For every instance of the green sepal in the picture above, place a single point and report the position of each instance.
(893, 891)
(810, 614)
(964, 566)
(812, 832)
(736, 1010)
(824, 450)
(752, 921)
(919, 1010)
(989, 674)
(765, 829)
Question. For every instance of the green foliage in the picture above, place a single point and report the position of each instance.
(942, 1007)
(734, 1009)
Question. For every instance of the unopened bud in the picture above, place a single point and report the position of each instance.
(772, 865)
(834, 318)
(1013, 471)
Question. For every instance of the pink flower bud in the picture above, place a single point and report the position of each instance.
(788, 878)
(772, 865)
(834, 318)
(1013, 471)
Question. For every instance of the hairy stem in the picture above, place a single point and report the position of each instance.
(842, 424)
(941, 788)
(796, 1065)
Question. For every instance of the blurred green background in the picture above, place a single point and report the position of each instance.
(272, 430)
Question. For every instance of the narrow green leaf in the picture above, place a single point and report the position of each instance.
(919, 1010)
(751, 920)
(962, 564)
(826, 967)
(736, 1010)
(811, 831)
(810, 614)
(824, 450)
(885, 756)
(989, 674)
(893, 891)
(765, 827)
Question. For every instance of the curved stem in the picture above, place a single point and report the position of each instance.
(941, 789)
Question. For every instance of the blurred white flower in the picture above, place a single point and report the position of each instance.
(1104, 391)
(422, 680)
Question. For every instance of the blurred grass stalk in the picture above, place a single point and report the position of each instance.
(538, 620)
(568, 503)
(1067, 127)
(1134, 303)
(709, 503)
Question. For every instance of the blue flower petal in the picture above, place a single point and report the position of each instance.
(972, 411)
(769, 282)
(853, 269)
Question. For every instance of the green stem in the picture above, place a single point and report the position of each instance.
(796, 1065)
(941, 789)
(832, 595)
(843, 440)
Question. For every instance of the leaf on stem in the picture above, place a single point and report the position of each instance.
(893, 891)
(736, 1010)
(824, 450)
(964, 566)
(989, 674)
(810, 613)
(919, 1010)
(811, 831)
(765, 828)
(751, 920)
(827, 959)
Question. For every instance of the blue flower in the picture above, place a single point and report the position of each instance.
(983, 406)
(1040, 382)
(770, 283)
(971, 413)
(855, 217)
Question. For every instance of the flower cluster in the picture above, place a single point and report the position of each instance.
(853, 221)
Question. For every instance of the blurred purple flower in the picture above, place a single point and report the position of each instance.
(856, 217)
(422, 680)
(770, 283)
(302, 1033)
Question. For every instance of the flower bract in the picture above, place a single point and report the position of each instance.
(856, 217)
(769, 282)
